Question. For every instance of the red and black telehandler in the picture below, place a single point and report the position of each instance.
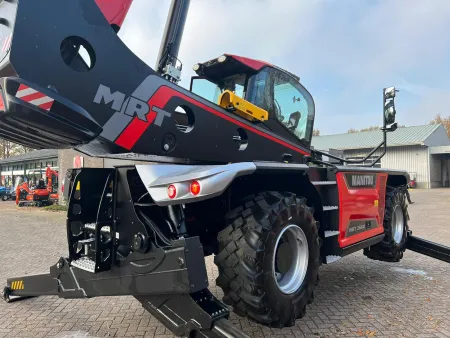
(233, 174)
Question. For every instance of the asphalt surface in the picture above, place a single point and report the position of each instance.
(356, 297)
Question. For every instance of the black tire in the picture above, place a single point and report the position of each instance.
(245, 253)
(4, 198)
(389, 250)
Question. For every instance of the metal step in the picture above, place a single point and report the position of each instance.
(91, 226)
(331, 233)
(323, 182)
(332, 258)
(85, 264)
(330, 207)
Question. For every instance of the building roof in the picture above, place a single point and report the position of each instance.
(32, 155)
(414, 135)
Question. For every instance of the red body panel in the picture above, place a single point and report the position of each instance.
(360, 204)
(114, 11)
(40, 192)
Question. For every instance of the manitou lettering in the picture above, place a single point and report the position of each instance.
(130, 106)
(365, 180)
(361, 180)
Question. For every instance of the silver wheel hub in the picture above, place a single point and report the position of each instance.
(290, 259)
(398, 224)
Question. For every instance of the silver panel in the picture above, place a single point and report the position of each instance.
(213, 179)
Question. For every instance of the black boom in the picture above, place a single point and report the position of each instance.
(138, 110)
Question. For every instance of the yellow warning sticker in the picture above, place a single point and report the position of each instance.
(17, 285)
(375, 203)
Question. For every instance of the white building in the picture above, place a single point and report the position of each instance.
(423, 151)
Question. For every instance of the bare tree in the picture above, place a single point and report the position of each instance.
(438, 119)
(8, 149)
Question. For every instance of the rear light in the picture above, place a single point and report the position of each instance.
(171, 191)
(195, 188)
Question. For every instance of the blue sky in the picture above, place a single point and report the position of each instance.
(345, 51)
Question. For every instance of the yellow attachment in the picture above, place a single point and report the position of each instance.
(245, 109)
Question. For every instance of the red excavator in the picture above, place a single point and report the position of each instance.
(52, 184)
(38, 196)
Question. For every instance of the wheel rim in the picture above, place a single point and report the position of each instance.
(397, 224)
(290, 260)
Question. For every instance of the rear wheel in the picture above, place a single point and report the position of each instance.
(268, 258)
(396, 228)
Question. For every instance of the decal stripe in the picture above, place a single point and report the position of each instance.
(2, 103)
(24, 91)
(31, 97)
(136, 128)
(133, 132)
(7, 43)
(46, 105)
(34, 97)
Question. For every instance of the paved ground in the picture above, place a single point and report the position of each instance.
(356, 297)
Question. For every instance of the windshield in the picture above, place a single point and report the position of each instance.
(293, 105)
(212, 91)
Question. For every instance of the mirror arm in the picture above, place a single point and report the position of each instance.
(382, 144)
(385, 129)
(342, 160)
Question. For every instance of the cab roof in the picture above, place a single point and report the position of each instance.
(216, 70)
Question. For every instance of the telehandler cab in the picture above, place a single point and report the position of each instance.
(234, 174)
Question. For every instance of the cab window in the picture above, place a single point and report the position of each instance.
(293, 105)
(206, 89)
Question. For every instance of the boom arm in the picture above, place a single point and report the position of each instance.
(49, 173)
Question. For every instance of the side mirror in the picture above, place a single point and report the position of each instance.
(389, 93)
(389, 113)
(389, 105)
(294, 119)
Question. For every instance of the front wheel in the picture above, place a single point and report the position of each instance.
(396, 228)
(268, 258)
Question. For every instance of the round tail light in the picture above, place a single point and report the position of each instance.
(171, 191)
(195, 188)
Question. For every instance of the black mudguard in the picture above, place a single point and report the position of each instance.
(133, 105)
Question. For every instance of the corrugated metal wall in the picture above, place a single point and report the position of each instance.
(413, 159)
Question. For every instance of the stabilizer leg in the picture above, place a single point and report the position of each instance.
(29, 286)
(428, 248)
(197, 314)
